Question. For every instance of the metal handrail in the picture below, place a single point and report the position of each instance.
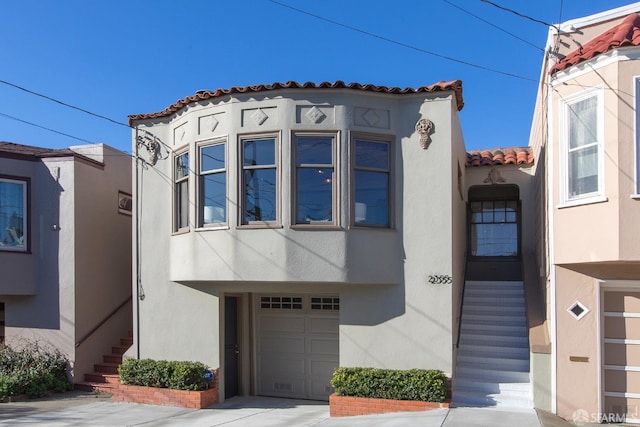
(105, 320)
(464, 284)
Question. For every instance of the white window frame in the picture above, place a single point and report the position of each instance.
(277, 222)
(202, 174)
(377, 138)
(335, 212)
(565, 105)
(177, 227)
(24, 182)
(636, 126)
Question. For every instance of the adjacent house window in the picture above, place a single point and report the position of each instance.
(315, 183)
(259, 181)
(371, 198)
(213, 185)
(583, 147)
(13, 214)
(181, 182)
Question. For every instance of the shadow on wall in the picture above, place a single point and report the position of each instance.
(42, 310)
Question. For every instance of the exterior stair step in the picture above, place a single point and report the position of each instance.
(99, 377)
(127, 342)
(107, 368)
(467, 398)
(119, 349)
(494, 362)
(112, 358)
(95, 387)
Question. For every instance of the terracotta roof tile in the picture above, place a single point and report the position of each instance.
(627, 33)
(500, 156)
(455, 86)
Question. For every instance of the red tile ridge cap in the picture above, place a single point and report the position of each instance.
(500, 156)
(627, 33)
(454, 85)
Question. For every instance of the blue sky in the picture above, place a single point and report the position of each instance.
(116, 58)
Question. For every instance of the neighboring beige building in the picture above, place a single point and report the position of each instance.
(65, 249)
(585, 138)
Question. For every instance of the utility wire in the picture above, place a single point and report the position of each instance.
(493, 25)
(522, 15)
(64, 103)
(46, 128)
(408, 46)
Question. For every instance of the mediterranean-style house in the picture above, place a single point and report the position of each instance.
(65, 249)
(585, 139)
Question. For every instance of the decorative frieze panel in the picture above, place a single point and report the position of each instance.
(371, 117)
(259, 117)
(208, 124)
(180, 135)
(315, 114)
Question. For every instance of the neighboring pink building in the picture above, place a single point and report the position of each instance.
(585, 140)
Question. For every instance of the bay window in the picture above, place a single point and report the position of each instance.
(181, 191)
(371, 198)
(259, 181)
(213, 185)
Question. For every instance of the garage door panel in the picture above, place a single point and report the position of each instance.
(282, 386)
(621, 354)
(280, 344)
(622, 327)
(282, 323)
(324, 345)
(622, 301)
(625, 408)
(324, 324)
(323, 368)
(622, 381)
(320, 389)
(283, 365)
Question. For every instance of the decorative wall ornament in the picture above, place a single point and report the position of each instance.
(494, 177)
(259, 117)
(315, 115)
(440, 279)
(152, 146)
(371, 117)
(424, 127)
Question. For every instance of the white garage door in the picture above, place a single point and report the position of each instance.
(622, 354)
(297, 345)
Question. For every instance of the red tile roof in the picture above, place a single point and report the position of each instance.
(455, 86)
(627, 33)
(500, 156)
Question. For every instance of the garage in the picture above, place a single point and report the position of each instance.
(297, 345)
(621, 348)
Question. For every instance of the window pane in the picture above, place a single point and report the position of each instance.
(259, 152)
(214, 200)
(583, 171)
(183, 204)
(259, 195)
(372, 198)
(372, 154)
(487, 211)
(512, 208)
(315, 151)
(212, 157)
(182, 166)
(12, 215)
(583, 122)
(315, 195)
(494, 239)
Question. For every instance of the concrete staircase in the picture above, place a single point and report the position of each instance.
(493, 358)
(105, 375)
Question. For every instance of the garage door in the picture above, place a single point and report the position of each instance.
(297, 345)
(622, 354)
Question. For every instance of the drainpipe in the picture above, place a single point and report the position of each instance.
(137, 240)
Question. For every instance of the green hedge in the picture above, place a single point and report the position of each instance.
(163, 374)
(34, 370)
(413, 384)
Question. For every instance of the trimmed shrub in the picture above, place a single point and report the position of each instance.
(163, 374)
(34, 370)
(414, 384)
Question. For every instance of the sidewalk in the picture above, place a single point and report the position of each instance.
(84, 409)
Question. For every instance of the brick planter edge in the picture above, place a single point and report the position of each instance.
(342, 406)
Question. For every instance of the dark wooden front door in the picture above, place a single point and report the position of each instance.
(231, 351)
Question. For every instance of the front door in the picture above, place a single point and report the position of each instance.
(231, 350)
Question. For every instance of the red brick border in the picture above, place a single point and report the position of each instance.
(166, 396)
(342, 406)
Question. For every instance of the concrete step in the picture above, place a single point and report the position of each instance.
(505, 375)
(505, 310)
(517, 389)
(494, 363)
(519, 353)
(495, 283)
(492, 292)
(495, 318)
(491, 331)
(493, 301)
(477, 339)
(468, 398)
(106, 368)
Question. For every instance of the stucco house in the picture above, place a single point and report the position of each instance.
(65, 249)
(288, 229)
(585, 138)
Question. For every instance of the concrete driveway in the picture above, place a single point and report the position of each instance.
(246, 411)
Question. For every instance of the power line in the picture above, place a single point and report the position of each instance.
(494, 26)
(46, 128)
(64, 103)
(405, 45)
(522, 15)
